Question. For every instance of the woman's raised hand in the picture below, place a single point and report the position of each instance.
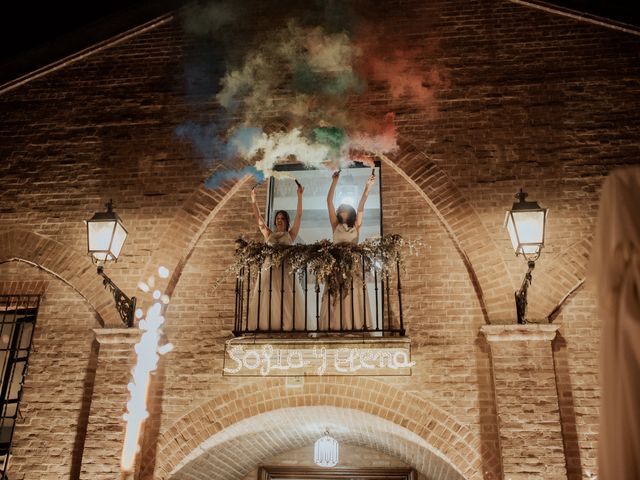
(300, 189)
(335, 176)
(253, 194)
(371, 180)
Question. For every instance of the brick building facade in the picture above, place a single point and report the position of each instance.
(534, 98)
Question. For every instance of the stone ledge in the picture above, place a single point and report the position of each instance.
(117, 335)
(520, 333)
(320, 341)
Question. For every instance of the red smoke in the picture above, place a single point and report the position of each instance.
(403, 68)
(399, 74)
(379, 138)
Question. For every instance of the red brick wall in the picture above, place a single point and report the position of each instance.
(527, 402)
(576, 355)
(533, 99)
(49, 434)
(444, 318)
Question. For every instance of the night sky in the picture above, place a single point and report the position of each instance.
(37, 33)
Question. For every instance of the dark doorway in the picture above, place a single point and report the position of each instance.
(312, 473)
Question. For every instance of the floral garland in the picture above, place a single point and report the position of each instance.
(332, 264)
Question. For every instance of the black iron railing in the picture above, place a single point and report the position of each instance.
(277, 300)
(18, 315)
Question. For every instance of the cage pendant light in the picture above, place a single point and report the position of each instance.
(326, 451)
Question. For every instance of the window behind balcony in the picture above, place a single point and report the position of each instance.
(315, 219)
(256, 294)
(18, 315)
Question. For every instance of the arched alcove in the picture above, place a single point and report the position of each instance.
(241, 447)
(63, 263)
(364, 411)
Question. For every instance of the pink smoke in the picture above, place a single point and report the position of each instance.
(372, 139)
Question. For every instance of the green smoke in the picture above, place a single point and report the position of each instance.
(332, 137)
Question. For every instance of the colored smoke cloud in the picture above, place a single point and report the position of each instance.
(306, 78)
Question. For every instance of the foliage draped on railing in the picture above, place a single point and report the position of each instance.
(332, 264)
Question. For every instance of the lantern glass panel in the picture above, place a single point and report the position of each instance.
(100, 234)
(511, 228)
(530, 226)
(119, 236)
(526, 230)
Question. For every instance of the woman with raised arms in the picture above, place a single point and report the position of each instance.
(349, 309)
(276, 301)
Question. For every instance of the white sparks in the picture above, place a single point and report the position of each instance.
(148, 353)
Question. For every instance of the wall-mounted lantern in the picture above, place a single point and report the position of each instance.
(106, 235)
(326, 451)
(526, 224)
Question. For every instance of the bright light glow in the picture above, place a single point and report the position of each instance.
(526, 230)
(163, 272)
(144, 287)
(347, 195)
(326, 451)
(106, 238)
(100, 234)
(148, 353)
(157, 294)
(139, 313)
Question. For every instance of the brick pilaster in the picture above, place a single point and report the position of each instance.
(105, 431)
(527, 401)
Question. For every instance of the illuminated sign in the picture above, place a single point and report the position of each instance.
(288, 358)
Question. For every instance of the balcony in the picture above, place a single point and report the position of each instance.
(323, 289)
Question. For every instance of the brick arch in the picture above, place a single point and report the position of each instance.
(186, 229)
(252, 441)
(560, 275)
(462, 223)
(59, 260)
(492, 280)
(456, 214)
(417, 416)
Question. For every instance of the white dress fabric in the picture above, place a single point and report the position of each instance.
(616, 269)
(282, 294)
(331, 316)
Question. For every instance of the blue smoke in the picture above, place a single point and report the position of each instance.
(207, 140)
(219, 177)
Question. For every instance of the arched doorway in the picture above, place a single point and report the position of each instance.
(231, 434)
(240, 448)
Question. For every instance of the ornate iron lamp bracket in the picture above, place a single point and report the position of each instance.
(521, 294)
(126, 306)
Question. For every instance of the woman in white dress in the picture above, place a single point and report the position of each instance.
(276, 300)
(336, 313)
